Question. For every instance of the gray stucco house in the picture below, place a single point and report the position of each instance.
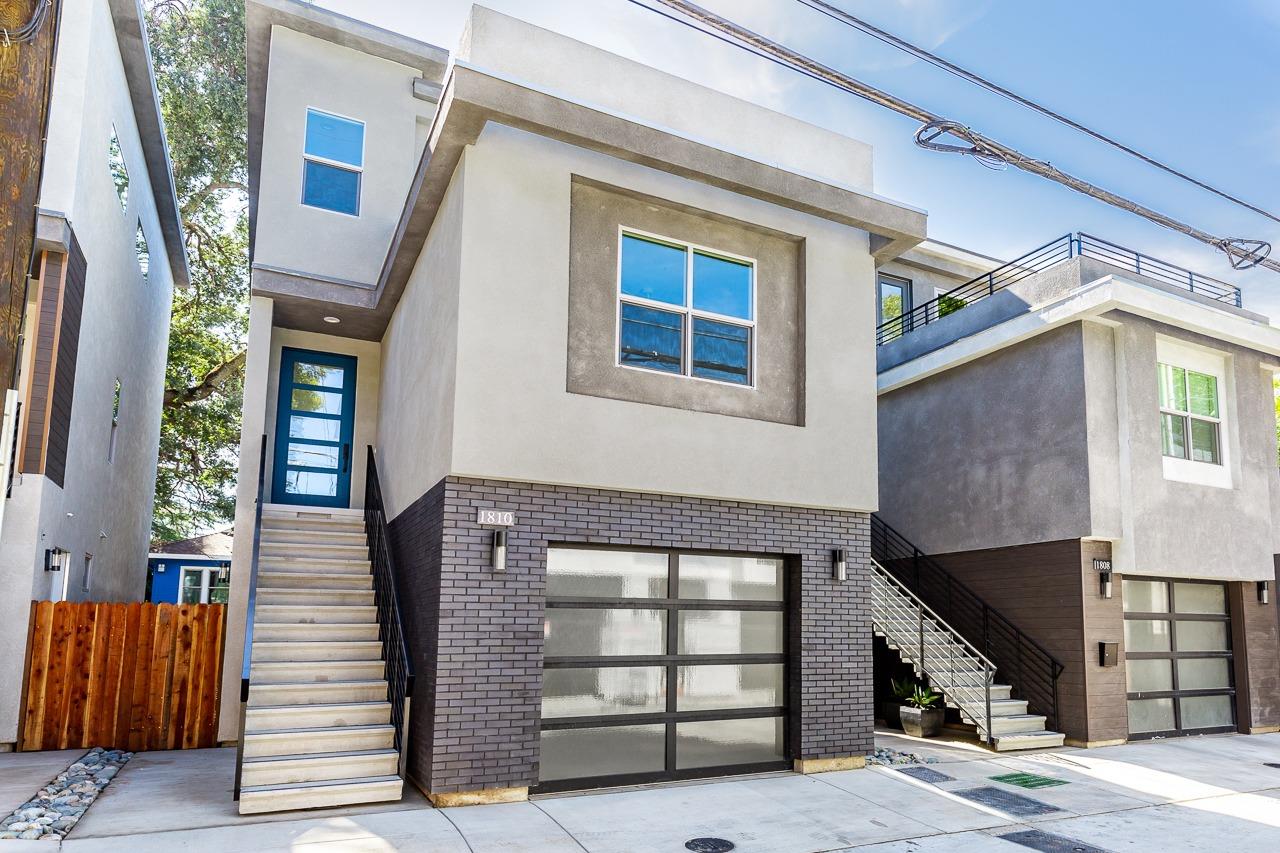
(561, 447)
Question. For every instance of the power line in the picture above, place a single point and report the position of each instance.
(844, 17)
(1243, 253)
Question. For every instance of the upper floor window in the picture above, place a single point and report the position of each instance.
(1194, 409)
(140, 249)
(333, 162)
(686, 310)
(894, 296)
(119, 173)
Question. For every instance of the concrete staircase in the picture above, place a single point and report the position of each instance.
(317, 729)
(954, 668)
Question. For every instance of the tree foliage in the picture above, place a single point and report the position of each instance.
(198, 50)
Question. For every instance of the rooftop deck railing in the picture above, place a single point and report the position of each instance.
(1050, 255)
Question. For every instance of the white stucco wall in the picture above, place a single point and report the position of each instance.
(310, 72)
(104, 509)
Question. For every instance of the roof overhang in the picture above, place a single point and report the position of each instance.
(1091, 303)
(474, 97)
(135, 52)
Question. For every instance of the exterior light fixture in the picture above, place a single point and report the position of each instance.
(499, 550)
(332, 320)
(55, 559)
(1103, 568)
(839, 565)
(1264, 592)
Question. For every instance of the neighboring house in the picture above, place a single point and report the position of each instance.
(630, 315)
(90, 378)
(191, 571)
(1089, 446)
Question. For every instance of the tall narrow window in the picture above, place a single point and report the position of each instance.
(1190, 415)
(119, 173)
(333, 162)
(140, 248)
(893, 300)
(115, 424)
(686, 310)
(87, 580)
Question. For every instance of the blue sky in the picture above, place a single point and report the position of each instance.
(1191, 84)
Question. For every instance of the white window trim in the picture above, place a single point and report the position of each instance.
(1179, 354)
(337, 164)
(207, 573)
(687, 310)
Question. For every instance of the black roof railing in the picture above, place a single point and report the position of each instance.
(1051, 254)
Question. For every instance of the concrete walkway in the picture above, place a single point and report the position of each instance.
(1203, 794)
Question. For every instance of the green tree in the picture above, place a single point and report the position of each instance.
(198, 50)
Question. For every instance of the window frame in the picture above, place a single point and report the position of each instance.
(86, 581)
(336, 164)
(687, 311)
(904, 283)
(113, 141)
(1176, 354)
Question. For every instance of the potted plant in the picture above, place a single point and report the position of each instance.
(890, 709)
(923, 714)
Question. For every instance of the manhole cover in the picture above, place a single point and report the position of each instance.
(1028, 780)
(708, 845)
(1037, 840)
(924, 774)
(1009, 803)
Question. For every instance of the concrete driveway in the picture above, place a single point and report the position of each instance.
(1210, 794)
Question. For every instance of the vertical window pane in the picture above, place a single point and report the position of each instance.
(599, 690)
(1204, 441)
(721, 286)
(708, 687)
(1203, 394)
(191, 587)
(653, 270)
(730, 578)
(1206, 712)
(652, 339)
(730, 632)
(1146, 635)
(596, 632)
(723, 742)
(219, 591)
(1150, 715)
(721, 351)
(1202, 636)
(1200, 598)
(317, 374)
(335, 138)
(606, 574)
(892, 299)
(605, 751)
(1204, 674)
(1173, 435)
(1173, 388)
(330, 187)
(1145, 596)
(1148, 676)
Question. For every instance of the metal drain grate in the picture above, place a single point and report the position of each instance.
(708, 845)
(1009, 803)
(1043, 841)
(924, 774)
(1028, 780)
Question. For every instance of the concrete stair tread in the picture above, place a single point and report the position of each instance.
(1012, 741)
(265, 577)
(326, 784)
(319, 756)
(258, 799)
(322, 706)
(323, 730)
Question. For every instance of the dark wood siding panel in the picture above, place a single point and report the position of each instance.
(41, 370)
(64, 379)
(1255, 640)
(1108, 689)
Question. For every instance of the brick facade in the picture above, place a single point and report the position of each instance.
(477, 636)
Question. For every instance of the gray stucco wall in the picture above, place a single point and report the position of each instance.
(992, 453)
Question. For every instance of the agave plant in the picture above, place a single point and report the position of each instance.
(923, 697)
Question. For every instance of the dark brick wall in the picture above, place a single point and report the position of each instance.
(477, 636)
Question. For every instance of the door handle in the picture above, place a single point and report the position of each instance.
(346, 458)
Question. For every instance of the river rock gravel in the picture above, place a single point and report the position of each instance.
(58, 806)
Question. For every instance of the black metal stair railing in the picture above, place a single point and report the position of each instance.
(395, 645)
(1025, 664)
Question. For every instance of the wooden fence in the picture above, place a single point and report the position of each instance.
(134, 676)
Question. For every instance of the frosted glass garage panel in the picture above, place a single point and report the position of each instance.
(1196, 636)
(1145, 596)
(606, 574)
(1206, 712)
(1147, 635)
(1207, 598)
(1203, 673)
(604, 632)
(712, 687)
(720, 743)
(596, 691)
(730, 632)
(1148, 676)
(604, 751)
(730, 578)
(1150, 715)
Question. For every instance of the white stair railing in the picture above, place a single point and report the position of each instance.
(953, 665)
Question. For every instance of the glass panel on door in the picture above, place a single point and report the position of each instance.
(314, 427)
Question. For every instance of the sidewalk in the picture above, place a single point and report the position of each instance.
(1209, 794)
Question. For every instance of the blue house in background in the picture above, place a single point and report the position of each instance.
(191, 571)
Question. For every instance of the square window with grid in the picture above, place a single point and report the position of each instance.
(1190, 415)
(333, 162)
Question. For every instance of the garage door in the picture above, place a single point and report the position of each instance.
(1177, 637)
(661, 665)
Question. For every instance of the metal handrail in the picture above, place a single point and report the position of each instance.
(1044, 257)
(893, 605)
(246, 660)
(395, 646)
(1029, 667)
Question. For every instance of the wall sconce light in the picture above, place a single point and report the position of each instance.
(159, 568)
(224, 573)
(1103, 567)
(1264, 592)
(55, 559)
(839, 565)
(499, 550)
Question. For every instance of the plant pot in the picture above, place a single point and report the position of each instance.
(922, 722)
(889, 712)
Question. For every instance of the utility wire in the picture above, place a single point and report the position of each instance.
(920, 53)
(1242, 252)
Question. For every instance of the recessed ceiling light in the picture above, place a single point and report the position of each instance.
(332, 320)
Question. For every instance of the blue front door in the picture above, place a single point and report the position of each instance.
(315, 420)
